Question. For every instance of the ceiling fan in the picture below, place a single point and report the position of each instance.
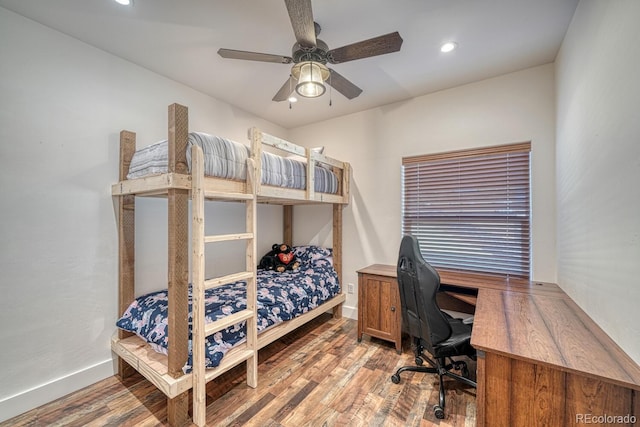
(310, 56)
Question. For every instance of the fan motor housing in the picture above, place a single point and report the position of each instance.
(316, 54)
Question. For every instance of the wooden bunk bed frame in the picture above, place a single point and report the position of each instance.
(179, 185)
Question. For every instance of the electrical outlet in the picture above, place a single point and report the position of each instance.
(350, 288)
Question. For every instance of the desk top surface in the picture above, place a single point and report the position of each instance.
(550, 331)
(468, 280)
(537, 322)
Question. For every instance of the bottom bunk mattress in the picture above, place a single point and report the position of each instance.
(280, 297)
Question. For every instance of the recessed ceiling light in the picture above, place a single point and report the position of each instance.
(448, 47)
(125, 2)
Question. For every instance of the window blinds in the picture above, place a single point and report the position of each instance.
(470, 209)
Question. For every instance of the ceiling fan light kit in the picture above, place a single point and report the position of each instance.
(310, 55)
(311, 76)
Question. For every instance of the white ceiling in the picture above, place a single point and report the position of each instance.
(180, 39)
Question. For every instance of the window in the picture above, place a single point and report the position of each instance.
(470, 209)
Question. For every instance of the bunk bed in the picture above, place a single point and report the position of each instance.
(181, 179)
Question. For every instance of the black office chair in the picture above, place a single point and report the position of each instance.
(430, 328)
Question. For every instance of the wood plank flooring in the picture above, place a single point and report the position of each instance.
(319, 375)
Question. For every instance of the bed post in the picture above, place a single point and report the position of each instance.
(287, 225)
(256, 154)
(345, 184)
(311, 176)
(126, 240)
(337, 251)
(178, 256)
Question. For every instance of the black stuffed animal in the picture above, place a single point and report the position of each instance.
(279, 258)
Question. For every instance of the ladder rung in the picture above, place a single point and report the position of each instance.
(227, 321)
(229, 278)
(232, 358)
(227, 196)
(227, 237)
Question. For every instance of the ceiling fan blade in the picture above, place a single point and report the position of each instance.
(301, 17)
(286, 89)
(254, 56)
(342, 85)
(372, 47)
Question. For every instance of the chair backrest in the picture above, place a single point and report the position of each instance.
(419, 282)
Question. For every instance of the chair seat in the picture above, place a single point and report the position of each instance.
(458, 344)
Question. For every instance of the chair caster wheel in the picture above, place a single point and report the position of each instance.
(465, 371)
(462, 367)
(395, 378)
(419, 361)
(438, 412)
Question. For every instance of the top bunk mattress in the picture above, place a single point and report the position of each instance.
(227, 159)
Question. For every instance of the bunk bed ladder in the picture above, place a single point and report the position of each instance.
(200, 329)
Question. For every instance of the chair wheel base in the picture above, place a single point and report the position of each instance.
(395, 378)
(438, 412)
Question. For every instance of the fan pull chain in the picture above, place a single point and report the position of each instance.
(290, 91)
(330, 89)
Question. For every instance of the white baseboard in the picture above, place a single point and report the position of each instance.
(29, 399)
(350, 312)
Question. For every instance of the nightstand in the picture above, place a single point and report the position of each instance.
(379, 311)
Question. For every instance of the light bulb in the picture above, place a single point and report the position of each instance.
(448, 47)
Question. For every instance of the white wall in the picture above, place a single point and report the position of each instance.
(512, 108)
(62, 106)
(598, 166)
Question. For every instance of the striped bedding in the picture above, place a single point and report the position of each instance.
(224, 158)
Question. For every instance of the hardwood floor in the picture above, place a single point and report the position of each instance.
(319, 375)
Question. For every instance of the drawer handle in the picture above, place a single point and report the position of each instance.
(393, 308)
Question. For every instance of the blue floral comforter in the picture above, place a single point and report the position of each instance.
(281, 296)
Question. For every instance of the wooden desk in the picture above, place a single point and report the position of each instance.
(541, 359)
